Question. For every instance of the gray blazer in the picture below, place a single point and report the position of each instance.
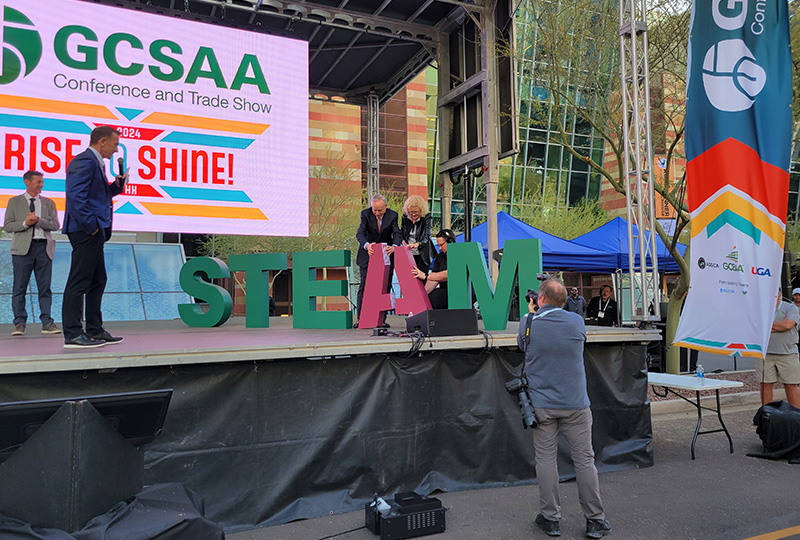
(17, 211)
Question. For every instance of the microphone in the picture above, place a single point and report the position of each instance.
(121, 164)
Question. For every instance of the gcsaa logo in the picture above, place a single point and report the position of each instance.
(731, 76)
(22, 46)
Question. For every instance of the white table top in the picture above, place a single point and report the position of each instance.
(686, 382)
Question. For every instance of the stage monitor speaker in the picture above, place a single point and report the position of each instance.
(444, 322)
(74, 467)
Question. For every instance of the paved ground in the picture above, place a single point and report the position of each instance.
(719, 496)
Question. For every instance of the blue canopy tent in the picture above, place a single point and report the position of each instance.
(612, 238)
(557, 253)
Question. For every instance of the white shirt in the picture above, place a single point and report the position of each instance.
(38, 232)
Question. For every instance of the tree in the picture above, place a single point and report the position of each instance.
(333, 217)
(575, 51)
(332, 213)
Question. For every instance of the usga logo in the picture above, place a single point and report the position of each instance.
(758, 271)
(22, 46)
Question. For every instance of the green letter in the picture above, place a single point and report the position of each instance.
(257, 79)
(214, 73)
(521, 258)
(89, 60)
(256, 267)
(157, 52)
(110, 53)
(306, 288)
(219, 301)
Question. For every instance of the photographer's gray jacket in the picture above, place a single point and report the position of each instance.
(554, 359)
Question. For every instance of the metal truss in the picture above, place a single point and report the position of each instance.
(638, 161)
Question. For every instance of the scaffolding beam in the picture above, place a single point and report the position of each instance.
(638, 162)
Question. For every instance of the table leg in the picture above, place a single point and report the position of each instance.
(725, 429)
(699, 419)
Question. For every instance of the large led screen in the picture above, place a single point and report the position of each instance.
(213, 121)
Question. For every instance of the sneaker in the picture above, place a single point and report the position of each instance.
(19, 329)
(51, 328)
(108, 338)
(597, 529)
(83, 342)
(551, 528)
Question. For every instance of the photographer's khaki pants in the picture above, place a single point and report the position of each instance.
(576, 425)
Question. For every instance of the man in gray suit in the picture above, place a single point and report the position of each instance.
(30, 218)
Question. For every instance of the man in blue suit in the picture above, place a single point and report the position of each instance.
(87, 223)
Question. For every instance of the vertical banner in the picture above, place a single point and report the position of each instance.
(738, 132)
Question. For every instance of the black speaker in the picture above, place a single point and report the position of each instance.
(74, 467)
(444, 322)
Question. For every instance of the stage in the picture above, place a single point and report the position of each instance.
(171, 343)
(274, 424)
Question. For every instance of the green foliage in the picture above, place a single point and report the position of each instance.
(793, 235)
(553, 216)
(333, 219)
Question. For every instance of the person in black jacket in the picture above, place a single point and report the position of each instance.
(603, 308)
(415, 229)
(378, 226)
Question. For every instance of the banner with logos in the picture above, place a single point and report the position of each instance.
(213, 120)
(738, 132)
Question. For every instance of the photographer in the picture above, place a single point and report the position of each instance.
(557, 380)
(532, 297)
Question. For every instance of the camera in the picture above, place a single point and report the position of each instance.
(531, 295)
(520, 388)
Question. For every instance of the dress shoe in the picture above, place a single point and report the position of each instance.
(108, 338)
(19, 330)
(83, 342)
(551, 528)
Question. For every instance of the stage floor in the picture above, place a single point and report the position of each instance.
(158, 343)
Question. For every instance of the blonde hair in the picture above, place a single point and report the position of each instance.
(418, 202)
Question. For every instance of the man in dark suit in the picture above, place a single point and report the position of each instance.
(87, 223)
(378, 226)
(30, 218)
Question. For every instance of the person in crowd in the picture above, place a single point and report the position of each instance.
(782, 362)
(436, 280)
(415, 230)
(557, 379)
(87, 223)
(603, 308)
(30, 218)
(576, 303)
(378, 226)
(796, 302)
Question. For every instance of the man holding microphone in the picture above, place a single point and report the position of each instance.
(87, 223)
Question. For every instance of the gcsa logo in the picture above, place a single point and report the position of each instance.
(731, 77)
(22, 46)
